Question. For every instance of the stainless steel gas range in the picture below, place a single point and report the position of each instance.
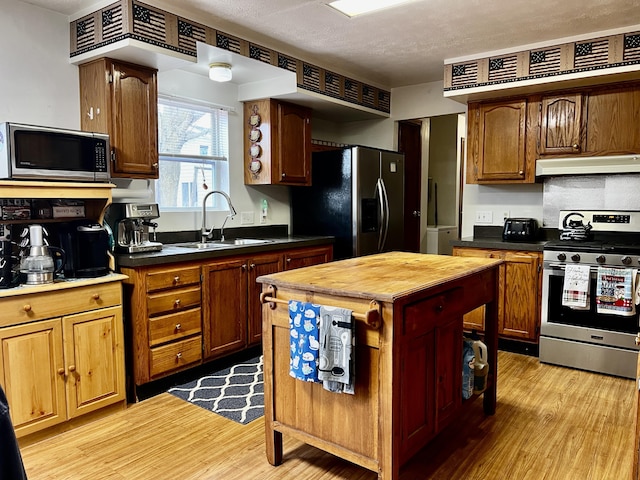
(588, 338)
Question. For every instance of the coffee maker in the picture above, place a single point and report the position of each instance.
(130, 223)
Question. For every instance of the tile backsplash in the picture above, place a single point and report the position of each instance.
(589, 192)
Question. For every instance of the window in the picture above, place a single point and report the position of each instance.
(193, 146)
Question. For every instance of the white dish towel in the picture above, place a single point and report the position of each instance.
(575, 291)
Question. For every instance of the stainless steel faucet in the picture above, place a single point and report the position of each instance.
(232, 213)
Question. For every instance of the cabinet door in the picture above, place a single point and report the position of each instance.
(292, 147)
(560, 124)
(497, 134)
(307, 257)
(94, 354)
(134, 131)
(259, 265)
(521, 316)
(32, 372)
(613, 115)
(224, 309)
(448, 342)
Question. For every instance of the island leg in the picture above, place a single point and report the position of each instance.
(273, 445)
(491, 340)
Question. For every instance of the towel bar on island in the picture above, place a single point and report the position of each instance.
(371, 317)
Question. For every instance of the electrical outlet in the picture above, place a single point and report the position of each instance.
(484, 216)
(505, 215)
(246, 218)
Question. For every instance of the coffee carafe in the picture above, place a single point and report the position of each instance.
(39, 266)
(131, 223)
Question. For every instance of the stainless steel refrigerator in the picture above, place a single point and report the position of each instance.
(356, 195)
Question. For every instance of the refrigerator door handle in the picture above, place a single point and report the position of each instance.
(384, 210)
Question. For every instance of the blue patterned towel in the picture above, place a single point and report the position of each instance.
(304, 344)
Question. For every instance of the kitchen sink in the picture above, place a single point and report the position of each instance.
(222, 244)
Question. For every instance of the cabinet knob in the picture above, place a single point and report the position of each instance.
(27, 308)
(284, 175)
(288, 259)
(521, 172)
(178, 356)
(96, 296)
(575, 146)
(177, 302)
(178, 326)
(438, 308)
(72, 368)
(252, 266)
(638, 339)
(176, 279)
(61, 371)
(244, 266)
(155, 165)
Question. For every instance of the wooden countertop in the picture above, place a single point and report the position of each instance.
(384, 276)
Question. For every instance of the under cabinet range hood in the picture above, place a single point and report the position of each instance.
(588, 165)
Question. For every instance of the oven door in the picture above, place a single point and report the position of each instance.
(582, 325)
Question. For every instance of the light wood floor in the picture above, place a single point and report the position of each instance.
(551, 423)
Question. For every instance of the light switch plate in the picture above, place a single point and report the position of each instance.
(484, 216)
(246, 218)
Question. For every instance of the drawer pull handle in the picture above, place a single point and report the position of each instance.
(178, 356)
(72, 368)
(27, 308)
(96, 296)
(176, 279)
(178, 326)
(177, 302)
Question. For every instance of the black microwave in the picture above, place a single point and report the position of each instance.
(30, 152)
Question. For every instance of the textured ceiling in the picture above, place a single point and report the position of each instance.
(395, 47)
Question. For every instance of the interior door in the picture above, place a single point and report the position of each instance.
(410, 143)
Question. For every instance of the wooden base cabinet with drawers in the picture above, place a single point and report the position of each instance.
(62, 354)
(184, 314)
(519, 295)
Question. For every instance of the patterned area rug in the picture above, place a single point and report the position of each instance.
(236, 393)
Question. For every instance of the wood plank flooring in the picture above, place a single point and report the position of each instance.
(551, 423)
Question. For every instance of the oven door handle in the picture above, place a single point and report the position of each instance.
(562, 266)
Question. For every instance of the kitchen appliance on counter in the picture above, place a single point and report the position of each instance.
(357, 196)
(130, 223)
(520, 230)
(586, 337)
(39, 266)
(86, 246)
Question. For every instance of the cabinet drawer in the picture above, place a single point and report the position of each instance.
(173, 300)
(167, 328)
(40, 306)
(176, 355)
(425, 315)
(175, 277)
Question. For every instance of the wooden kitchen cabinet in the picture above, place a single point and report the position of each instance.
(164, 315)
(498, 149)
(307, 257)
(520, 285)
(277, 143)
(121, 99)
(560, 124)
(62, 353)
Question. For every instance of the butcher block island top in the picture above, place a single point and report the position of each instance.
(407, 356)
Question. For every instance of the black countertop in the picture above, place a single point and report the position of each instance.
(491, 238)
(172, 253)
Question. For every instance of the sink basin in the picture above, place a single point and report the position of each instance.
(225, 244)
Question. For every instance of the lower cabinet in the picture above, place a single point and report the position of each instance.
(62, 355)
(183, 314)
(520, 279)
(431, 382)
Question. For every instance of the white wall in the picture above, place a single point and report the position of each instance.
(38, 85)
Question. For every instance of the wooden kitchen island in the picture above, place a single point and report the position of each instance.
(408, 354)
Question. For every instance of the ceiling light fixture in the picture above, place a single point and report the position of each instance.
(352, 8)
(220, 72)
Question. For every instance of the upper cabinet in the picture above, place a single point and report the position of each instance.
(121, 99)
(507, 136)
(560, 124)
(277, 143)
(497, 142)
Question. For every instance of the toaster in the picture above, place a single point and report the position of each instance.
(520, 229)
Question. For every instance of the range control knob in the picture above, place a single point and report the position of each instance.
(626, 260)
(601, 259)
(562, 257)
(575, 257)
